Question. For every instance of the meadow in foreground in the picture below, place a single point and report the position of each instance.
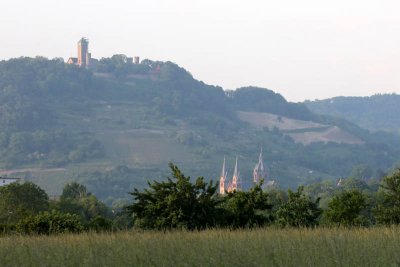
(258, 247)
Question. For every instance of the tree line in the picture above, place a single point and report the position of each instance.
(179, 203)
(26, 208)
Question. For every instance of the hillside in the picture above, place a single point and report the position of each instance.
(117, 126)
(377, 112)
(305, 132)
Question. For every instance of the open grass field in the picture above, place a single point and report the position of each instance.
(260, 247)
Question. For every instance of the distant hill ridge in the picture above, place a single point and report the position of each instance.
(377, 112)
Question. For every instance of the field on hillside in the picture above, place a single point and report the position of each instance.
(305, 132)
(261, 247)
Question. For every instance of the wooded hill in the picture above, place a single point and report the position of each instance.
(377, 112)
(116, 126)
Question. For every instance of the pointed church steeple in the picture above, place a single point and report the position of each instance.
(259, 172)
(222, 179)
(235, 183)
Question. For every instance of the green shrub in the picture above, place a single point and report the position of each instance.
(7, 228)
(100, 224)
(53, 222)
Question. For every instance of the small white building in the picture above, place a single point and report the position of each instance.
(7, 181)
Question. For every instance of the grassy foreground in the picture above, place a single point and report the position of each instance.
(260, 247)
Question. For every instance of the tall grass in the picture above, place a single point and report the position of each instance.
(259, 247)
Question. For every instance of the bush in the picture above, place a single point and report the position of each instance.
(53, 222)
(7, 228)
(100, 224)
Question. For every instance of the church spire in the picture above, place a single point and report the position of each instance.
(235, 183)
(259, 172)
(222, 179)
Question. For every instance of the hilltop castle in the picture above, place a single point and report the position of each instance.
(85, 60)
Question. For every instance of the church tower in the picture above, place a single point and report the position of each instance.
(259, 172)
(222, 180)
(83, 53)
(234, 185)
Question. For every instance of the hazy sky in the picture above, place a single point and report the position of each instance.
(302, 49)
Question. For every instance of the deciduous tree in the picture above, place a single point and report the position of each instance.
(18, 200)
(298, 211)
(388, 211)
(175, 203)
(345, 209)
(246, 209)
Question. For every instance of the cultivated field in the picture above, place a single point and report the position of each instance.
(262, 247)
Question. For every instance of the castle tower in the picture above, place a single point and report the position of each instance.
(137, 60)
(222, 180)
(83, 53)
(259, 172)
(88, 59)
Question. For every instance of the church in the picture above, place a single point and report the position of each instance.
(259, 174)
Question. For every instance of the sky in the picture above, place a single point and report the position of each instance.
(309, 49)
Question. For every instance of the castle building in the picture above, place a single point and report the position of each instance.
(83, 53)
(137, 60)
(84, 59)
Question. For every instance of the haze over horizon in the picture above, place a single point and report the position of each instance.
(302, 50)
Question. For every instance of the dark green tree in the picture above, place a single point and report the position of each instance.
(75, 199)
(74, 190)
(175, 203)
(246, 209)
(345, 209)
(20, 200)
(298, 211)
(388, 210)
